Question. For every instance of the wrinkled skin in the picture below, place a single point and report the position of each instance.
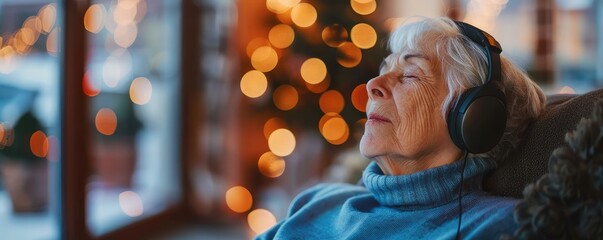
(406, 131)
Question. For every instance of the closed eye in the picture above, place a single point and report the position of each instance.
(408, 76)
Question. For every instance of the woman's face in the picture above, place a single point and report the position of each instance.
(404, 109)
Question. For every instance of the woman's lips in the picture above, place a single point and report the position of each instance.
(378, 118)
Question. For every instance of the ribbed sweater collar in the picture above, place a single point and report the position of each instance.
(426, 189)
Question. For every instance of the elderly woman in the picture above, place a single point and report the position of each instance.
(430, 146)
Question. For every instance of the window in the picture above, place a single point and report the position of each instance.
(29, 120)
(132, 85)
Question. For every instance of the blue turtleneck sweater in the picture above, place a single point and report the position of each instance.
(422, 205)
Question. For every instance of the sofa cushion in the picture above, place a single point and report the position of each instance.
(530, 160)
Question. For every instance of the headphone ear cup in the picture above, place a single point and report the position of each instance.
(478, 120)
(456, 115)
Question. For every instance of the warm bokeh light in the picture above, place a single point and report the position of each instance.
(125, 35)
(363, 36)
(334, 35)
(281, 142)
(281, 36)
(34, 23)
(106, 121)
(325, 118)
(304, 15)
(52, 43)
(88, 86)
(363, 7)
(271, 165)
(94, 18)
(125, 12)
(47, 15)
(313, 70)
(19, 44)
(255, 44)
(131, 204)
(141, 90)
(27, 36)
(273, 124)
(276, 6)
(285, 97)
(319, 87)
(38, 143)
(260, 220)
(254, 84)
(331, 101)
(567, 90)
(348, 55)
(360, 97)
(264, 59)
(239, 199)
(335, 130)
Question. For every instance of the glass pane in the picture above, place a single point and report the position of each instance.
(132, 83)
(29, 120)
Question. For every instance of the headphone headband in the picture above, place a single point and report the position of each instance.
(489, 45)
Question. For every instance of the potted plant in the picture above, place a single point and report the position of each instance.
(23, 167)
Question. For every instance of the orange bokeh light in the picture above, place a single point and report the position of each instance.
(304, 15)
(331, 101)
(88, 87)
(260, 220)
(255, 44)
(348, 55)
(285, 97)
(141, 91)
(264, 59)
(363, 7)
(47, 15)
(334, 35)
(94, 18)
(38, 143)
(281, 142)
(271, 165)
(363, 36)
(273, 124)
(106, 121)
(360, 97)
(335, 130)
(253, 84)
(239, 199)
(313, 70)
(281, 35)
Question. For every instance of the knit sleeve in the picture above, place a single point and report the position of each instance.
(298, 203)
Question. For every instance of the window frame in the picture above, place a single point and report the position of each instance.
(75, 138)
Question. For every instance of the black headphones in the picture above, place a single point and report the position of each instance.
(477, 121)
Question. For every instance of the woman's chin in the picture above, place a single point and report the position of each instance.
(368, 147)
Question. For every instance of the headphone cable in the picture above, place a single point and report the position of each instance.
(458, 229)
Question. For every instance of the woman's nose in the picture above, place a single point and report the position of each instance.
(376, 88)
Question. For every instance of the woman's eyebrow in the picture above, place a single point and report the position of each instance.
(413, 55)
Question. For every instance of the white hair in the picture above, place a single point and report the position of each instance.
(462, 64)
